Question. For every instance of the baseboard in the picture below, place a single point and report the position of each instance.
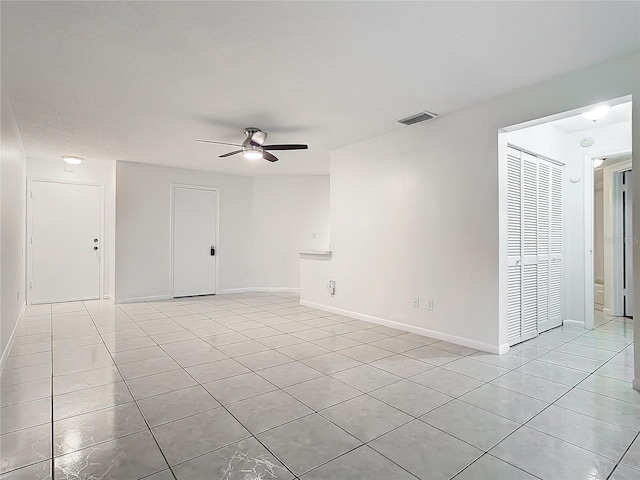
(636, 383)
(234, 290)
(154, 298)
(7, 349)
(107, 297)
(607, 311)
(157, 298)
(574, 323)
(465, 342)
(259, 289)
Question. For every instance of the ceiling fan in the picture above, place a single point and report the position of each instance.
(253, 147)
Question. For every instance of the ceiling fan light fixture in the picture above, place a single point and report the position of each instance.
(596, 113)
(252, 153)
(72, 160)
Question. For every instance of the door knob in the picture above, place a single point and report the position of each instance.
(95, 248)
(213, 251)
(95, 240)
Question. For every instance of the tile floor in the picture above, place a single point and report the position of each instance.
(256, 387)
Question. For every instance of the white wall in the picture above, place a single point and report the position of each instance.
(287, 212)
(415, 212)
(87, 172)
(143, 228)
(12, 225)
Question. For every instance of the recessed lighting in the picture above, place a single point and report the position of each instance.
(252, 153)
(596, 113)
(597, 162)
(72, 160)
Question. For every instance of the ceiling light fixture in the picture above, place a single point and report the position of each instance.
(72, 160)
(597, 162)
(252, 153)
(596, 113)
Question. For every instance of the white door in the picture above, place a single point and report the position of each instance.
(194, 241)
(550, 245)
(529, 246)
(65, 242)
(514, 247)
(544, 236)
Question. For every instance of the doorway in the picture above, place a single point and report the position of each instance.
(577, 138)
(194, 235)
(65, 258)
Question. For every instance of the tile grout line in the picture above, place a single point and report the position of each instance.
(136, 403)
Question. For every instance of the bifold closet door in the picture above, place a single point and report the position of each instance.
(544, 237)
(529, 246)
(514, 247)
(534, 245)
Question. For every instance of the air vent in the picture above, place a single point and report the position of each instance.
(417, 118)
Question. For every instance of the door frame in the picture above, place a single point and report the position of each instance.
(172, 188)
(611, 281)
(29, 244)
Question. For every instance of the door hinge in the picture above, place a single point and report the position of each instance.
(31, 283)
(31, 193)
(31, 240)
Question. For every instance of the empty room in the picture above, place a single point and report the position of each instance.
(263, 240)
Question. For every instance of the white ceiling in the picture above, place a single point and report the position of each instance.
(139, 81)
(618, 114)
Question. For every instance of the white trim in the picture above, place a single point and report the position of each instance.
(260, 289)
(29, 246)
(611, 287)
(153, 298)
(574, 323)
(12, 337)
(636, 383)
(466, 342)
(108, 297)
(172, 187)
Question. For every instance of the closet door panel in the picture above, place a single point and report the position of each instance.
(514, 247)
(529, 246)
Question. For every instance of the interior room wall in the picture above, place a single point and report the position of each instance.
(415, 213)
(143, 269)
(87, 172)
(13, 222)
(289, 214)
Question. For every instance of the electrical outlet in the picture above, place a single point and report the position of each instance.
(331, 288)
(430, 304)
(416, 302)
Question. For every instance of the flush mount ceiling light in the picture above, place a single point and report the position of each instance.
(72, 160)
(596, 113)
(597, 162)
(252, 153)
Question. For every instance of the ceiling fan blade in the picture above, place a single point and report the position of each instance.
(269, 157)
(292, 146)
(219, 143)
(229, 154)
